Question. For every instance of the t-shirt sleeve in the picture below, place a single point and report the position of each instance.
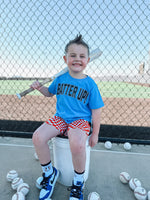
(52, 88)
(95, 100)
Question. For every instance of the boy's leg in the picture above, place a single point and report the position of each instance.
(41, 137)
(40, 140)
(78, 132)
(77, 140)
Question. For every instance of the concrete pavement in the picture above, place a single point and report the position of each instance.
(105, 167)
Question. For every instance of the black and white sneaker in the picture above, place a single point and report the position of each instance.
(77, 191)
(48, 184)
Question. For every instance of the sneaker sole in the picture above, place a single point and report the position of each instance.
(74, 198)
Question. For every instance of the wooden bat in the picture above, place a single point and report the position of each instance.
(93, 55)
(141, 84)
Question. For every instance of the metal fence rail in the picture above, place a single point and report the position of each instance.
(33, 35)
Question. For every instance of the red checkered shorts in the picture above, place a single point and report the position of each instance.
(63, 127)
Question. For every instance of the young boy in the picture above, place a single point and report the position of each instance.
(78, 105)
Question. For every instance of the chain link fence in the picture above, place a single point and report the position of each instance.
(33, 35)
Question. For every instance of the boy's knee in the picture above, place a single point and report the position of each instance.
(36, 138)
(77, 148)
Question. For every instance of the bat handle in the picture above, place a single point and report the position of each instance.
(24, 93)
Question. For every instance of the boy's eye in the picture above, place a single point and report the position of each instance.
(73, 56)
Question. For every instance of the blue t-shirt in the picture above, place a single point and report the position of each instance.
(75, 97)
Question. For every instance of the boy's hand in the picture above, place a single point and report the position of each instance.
(93, 140)
(36, 85)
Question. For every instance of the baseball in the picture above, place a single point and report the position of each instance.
(16, 182)
(24, 188)
(36, 156)
(94, 196)
(133, 183)
(18, 196)
(127, 146)
(140, 193)
(124, 177)
(38, 182)
(148, 195)
(12, 174)
(108, 145)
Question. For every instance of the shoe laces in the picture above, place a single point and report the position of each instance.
(45, 182)
(76, 191)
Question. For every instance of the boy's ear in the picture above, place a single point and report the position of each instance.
(65, 59)
(88, 60)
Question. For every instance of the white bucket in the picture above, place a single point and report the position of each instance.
(63, 160)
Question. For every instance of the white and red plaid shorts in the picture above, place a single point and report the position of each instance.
(63, 127)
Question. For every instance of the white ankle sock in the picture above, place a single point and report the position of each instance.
(78, 177)
(47, 169)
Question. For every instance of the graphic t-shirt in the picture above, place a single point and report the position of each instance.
(75, 97)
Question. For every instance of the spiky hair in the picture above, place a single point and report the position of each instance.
(78, 40)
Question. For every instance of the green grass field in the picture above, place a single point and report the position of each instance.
(108, 89)
(123, 90)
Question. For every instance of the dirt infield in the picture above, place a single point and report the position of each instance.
(117, 111)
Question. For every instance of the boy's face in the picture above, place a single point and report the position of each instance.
(76, 58)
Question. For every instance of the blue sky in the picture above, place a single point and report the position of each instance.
(34, 34)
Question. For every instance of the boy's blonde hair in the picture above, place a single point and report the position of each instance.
(77, 40)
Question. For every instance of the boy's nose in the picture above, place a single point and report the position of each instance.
(77, 57)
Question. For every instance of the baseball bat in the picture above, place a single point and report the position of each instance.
(138, 83)
(93, 55)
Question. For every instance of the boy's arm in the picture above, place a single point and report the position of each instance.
(42, 89)
(96, 119)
